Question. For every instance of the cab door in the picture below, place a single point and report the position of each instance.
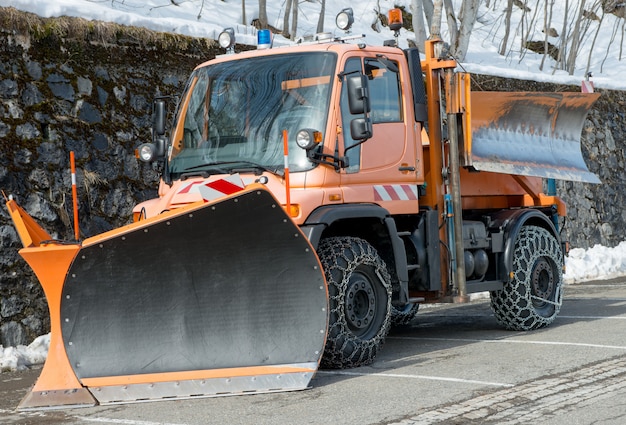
(383, 169)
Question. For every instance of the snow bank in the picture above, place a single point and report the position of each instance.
(22, 357)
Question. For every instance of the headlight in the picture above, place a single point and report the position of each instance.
(308, 139)
(226, 39)
(345, 19)
(146, 152)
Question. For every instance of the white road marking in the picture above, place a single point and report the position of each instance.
(409, 376)
(513, 341)
(119, 421)
(592, 317)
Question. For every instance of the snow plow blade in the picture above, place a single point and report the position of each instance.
(211, 299)
(530, 134)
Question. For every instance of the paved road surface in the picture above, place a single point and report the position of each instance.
(453, 365)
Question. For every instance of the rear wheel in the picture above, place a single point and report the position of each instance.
(532, 299)
(404, 315)
(359, 289)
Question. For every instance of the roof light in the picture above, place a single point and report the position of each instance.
(226, 39)
(264, 39)
(345, 19)
(395, 19)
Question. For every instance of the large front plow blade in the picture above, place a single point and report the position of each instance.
(211, 299)
(531, 134)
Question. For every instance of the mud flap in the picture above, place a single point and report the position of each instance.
(211, 299)
(530, 134)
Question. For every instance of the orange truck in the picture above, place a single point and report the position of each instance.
(312, 196)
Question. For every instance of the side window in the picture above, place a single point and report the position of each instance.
(384, 92)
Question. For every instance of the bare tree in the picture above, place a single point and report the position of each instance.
(435, 25)
(263, 13)
(417, 7)
(286, 33)
(467, 17)
(320, 21)
(570, 65)
(507, 28)
(451, 19)
(294, 19)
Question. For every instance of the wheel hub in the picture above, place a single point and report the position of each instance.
(360, 302)
(542, 279)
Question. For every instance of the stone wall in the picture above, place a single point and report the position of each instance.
(71, 85)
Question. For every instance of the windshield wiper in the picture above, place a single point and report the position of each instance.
(228, 167)
(256, 168)
(203, 170)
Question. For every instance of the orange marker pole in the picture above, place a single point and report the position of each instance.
(74, 196)
(287, 187)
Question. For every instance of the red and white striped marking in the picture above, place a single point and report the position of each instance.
(587, 86)
(395, 192)
(211, 190)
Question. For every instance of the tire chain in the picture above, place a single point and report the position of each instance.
(339, 257)
(512, 306)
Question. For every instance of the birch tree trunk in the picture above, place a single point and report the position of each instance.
(467, 17)
(417, 7)
(435, 25)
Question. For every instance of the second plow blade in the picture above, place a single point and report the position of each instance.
(216, 299)
(531, 134)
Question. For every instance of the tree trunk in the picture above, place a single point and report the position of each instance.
(467, 16)
(294, 19)
(286, 19)
(263, 13)
(320, 21)
(418, 23)
(452, 24)
(573, 53)
(507, 27)
(429, 10)
(435, 25)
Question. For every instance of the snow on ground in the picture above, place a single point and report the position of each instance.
(188, 17)
(23, 357)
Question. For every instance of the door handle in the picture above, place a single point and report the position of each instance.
(406, 168)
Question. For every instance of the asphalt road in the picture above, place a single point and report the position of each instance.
(453, 365)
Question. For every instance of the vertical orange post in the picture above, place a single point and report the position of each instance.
(74, 196)
(287, 187)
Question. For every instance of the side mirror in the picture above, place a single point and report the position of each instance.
(361, 128)
(358, 94)
(158, 117)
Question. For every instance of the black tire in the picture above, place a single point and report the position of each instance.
(403, 315)
(359, 289)
(532, 299)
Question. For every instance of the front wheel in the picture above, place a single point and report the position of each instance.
(359, 289)
(532, 299)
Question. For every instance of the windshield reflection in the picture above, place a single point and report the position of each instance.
(236, 112)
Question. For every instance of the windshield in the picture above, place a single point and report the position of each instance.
(234, 113)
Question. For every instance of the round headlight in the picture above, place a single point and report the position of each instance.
(226, 39)
(146, 152)
(305, 139)
(345, 19)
